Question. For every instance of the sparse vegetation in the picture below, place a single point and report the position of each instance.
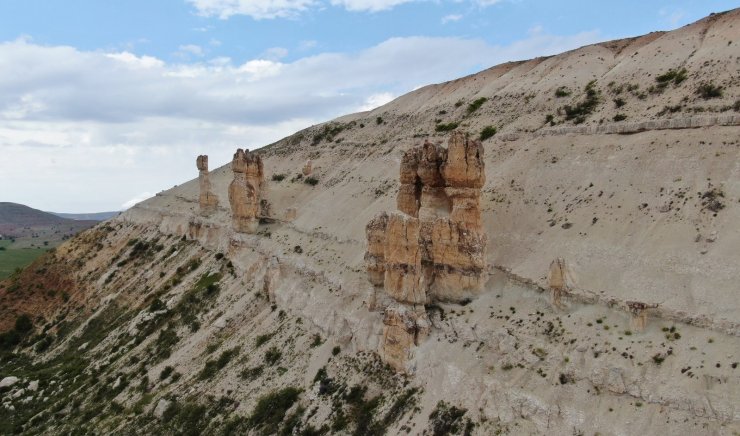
(709, 90)
(580, 111)
(212, 367)
(562, 91)
(311, 180)
(278, 177)
(270, 410)
(487, 132)
(476, 104)
(446, 127)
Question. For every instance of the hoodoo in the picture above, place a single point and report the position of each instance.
(208, 200)
(245, 191)
(434, 248)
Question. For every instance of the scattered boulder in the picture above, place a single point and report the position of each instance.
(33, 386)
(8, 381)
(161, 407)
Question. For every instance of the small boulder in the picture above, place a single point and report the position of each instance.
(8, 381)
(33, 386)
(162, 407)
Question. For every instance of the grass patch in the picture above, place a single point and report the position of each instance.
(12, 259)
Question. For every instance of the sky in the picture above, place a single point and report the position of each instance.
(104, 103)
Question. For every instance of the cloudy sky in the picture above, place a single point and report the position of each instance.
(106, 102)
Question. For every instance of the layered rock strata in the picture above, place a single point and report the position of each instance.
(434, 249)
(207, 200)
(245, 191)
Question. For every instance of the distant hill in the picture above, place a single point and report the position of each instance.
(37, 227)
(19, 215)
(96, 216)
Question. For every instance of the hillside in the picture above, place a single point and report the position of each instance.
(619, 158)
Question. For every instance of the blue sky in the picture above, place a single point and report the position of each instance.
(105, 102)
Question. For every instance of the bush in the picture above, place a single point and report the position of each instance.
(272, 356)
(709, 90)
(580, 111)
(446, 419)
(271, 408)
(212, 367)
(261, 339)
(166, 372)
(487, 132)
(475, 105)
(278, 177)
(336, 350)
(620, 117)
(675, 76)
(313, 181)
(446, 127)
(23, 324)
(563, 91)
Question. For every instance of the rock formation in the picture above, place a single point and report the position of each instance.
(307, 168)
(245, 191)
(434, 249)
(557, 282)
(638, 314)
(207, 199)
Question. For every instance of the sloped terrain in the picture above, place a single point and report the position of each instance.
(621, 158)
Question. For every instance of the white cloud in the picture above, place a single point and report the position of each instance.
(672, 16)
(376, 100)
(108, 127)
(136, 199)
(450, 18)
(192, 49)
(368, 5)
(257, 9)
(275, 53)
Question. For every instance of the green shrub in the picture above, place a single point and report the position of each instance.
(446, 127)
(675, 76)
(311, 180)
(709, 90)
(562, 91)
(379, 121)
(212, 367)
(271, 408)
(620, 117)
(580, 111)
(336, 350)
(476, 104)
(487, 132)
(446, 419)
(262, 339)
(278, 177)
(272, 356)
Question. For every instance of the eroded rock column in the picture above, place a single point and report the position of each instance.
(434, 247)
(208, 201)
(245, 190)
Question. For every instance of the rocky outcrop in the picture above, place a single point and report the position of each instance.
(375, 254)
(245, 191)
(557, 282)
(403, 328)
(208, 200)
(434, 249)
(307, 167)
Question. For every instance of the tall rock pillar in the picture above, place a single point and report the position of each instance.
(245, 191)
(208, 201)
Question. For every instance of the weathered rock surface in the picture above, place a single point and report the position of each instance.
(207, 200)
(403, 328)
(245, 191)
(375, 254)
(434, 249)
(8, 381)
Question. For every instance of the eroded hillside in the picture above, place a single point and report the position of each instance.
(619, 159)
